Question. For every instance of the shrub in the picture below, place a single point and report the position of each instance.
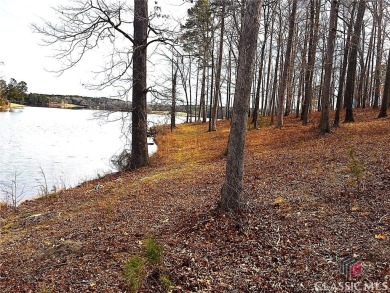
(356, 167)
(3, 102)
(134, 272)
(122, 161)
(153, 251)
(146, 268)
(165, 282)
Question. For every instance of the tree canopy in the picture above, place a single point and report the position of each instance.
(14, 91)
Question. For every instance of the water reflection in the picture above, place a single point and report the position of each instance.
(58, 147)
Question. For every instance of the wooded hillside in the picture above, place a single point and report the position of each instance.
(308, 207)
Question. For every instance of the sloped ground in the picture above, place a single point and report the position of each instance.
(306, 212)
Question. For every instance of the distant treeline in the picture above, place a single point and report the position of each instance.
(16, 92)
(61, 101)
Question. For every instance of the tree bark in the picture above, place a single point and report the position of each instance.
(282, 88)
(139, 145)
(214, 115)
(255, 114)
(229, 83)
(311, 58)
(343, 71)
(190, 88)
(231, 193)
(378, 16)
(202, 107)
(275, 77)
(368, 70)
(352, 62)
(268, 82)
(386, 92)
(301, 87)
(324, 124)
(175, 67)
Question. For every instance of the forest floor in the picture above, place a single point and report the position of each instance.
(312, 201)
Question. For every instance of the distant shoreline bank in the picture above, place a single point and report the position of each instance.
(78, 107)
(12, 106)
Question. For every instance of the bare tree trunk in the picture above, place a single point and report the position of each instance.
(231, 193)
(360, 79)
(183, 77)
(139, 146)
(378, 14)
(174, 82)
(218, 75)
(190, 88)
(196, 92)
(291, 77)
(352, 62)
(282, 88)
(314, 26)
(275, 80)
(229, 83)
(301, 88)
(343, 71)
(386, 92)
(202, 109)
(320, 88)
(269, 69)
(211, 88)
(324, 124)
(255, 114)
(368, 71)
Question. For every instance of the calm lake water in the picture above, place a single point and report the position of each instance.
(67, 146)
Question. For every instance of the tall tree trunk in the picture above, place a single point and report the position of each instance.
(282, 88)
(196, 91)
(139, 145)
(211, 88)
(378, 14)
(183, 83)
(320, 88)
(311, 58)
(291, 77)
(324, 124)
(202, 110)
(190, 88)
(386, 92)
(368, 75)
(352, 62)
(229, 83)
(268, 83)
(301, 88)
(361, 77)
(343, 71)
(231, 193)
(255, 114)
(174, 82)
(275, 78)
(218, 75)
(370, 86)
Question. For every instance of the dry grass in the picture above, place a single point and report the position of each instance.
(191, 144)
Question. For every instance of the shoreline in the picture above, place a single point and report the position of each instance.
(13, 106)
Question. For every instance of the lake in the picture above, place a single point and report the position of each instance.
(58, 148)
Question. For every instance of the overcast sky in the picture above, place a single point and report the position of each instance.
(25, 59)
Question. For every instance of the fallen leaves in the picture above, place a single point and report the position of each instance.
(381, 236)
(302, 216)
